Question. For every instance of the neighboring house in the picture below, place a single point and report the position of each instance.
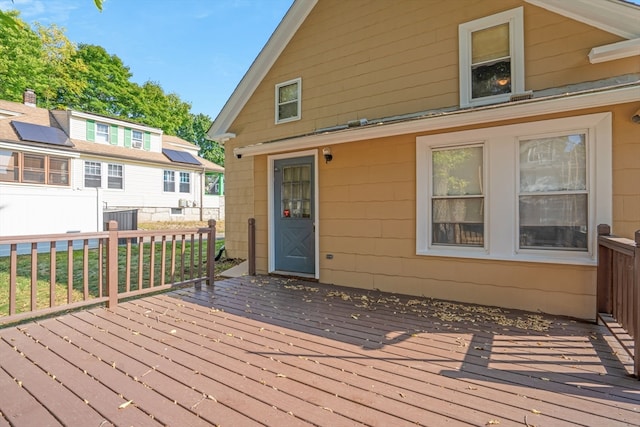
(60, 171)
(472, 147)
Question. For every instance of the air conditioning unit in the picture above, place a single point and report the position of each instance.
(137, 144)
(182, 203)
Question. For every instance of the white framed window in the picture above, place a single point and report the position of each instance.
(523, 192)
(115, 176)
(288, 101)
(176, 211)
(102, 133)
(491, 53)
(92, 174)
(169, 181)
(185, 182)
(136, 138)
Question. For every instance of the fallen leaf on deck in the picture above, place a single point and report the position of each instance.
(535, 411)
(125, 404)
(493, 422)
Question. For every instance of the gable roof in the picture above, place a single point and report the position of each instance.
(614, 16)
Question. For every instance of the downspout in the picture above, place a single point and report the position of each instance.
(202, 183)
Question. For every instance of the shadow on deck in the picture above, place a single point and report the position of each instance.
(274, 351)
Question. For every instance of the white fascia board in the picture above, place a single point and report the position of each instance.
(451, 120)
(613, 16)
(40, 150)
(610, 52)
(295, 16)
(123, 123)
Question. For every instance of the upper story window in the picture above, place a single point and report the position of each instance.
(169, 181)
(524, 192)
(185, 182)
(19, 167)
(102, 133)
(491, 58)
(288, 101)
(136, 138)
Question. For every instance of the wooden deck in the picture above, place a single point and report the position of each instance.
(282, 352)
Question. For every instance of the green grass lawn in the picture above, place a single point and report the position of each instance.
(43, 293)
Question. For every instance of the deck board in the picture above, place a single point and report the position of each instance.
(282, 352)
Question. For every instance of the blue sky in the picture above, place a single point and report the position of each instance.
(198, 49)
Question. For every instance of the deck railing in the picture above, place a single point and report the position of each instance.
(618, 290)
(44, 274)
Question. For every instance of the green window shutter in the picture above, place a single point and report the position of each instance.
(127, 137)
(221, 184)
(147, 141)
(91, 130)
(113, 135)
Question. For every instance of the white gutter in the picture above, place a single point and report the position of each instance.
(521, 109)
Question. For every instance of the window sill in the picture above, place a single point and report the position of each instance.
(543, 257)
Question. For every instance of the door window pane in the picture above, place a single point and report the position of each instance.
(296, 191)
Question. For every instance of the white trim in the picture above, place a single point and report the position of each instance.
(515, 19)
(615, 17)
(610, 52)
(17, 146)
(495, 113)
(270, 207)
(500, 148)
(298, 116)
(285, 31)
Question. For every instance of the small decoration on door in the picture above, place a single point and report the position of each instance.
(286, 213)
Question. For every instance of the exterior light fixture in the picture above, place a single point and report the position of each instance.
(326, 152)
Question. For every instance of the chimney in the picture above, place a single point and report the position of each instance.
(29, 97)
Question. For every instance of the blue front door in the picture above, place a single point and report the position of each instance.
(294, 231)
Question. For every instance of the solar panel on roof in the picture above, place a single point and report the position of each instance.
(39, 133)
(180, 156)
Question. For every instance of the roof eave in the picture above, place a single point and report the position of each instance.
(294, 17)
(487, 114)
(616, 17)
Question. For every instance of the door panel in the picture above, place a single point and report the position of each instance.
(294, 215)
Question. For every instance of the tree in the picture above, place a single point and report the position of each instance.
(60, 67)
(21, 63)
(196, 131)
(108, 90)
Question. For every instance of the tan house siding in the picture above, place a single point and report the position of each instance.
(373, 59)
(626, 171)
(239, 192)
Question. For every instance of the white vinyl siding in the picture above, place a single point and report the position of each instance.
(533, 195)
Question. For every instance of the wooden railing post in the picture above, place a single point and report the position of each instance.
(112, 264)
(252, 247)
(603, 288)
(636, 305)
(211, 252)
